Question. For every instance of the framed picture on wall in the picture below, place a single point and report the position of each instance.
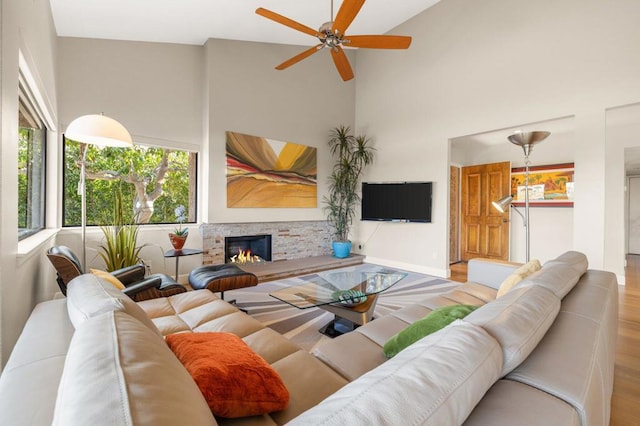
(549, 186)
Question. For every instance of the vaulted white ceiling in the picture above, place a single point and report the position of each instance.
(195, 21)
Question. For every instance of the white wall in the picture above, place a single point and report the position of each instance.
(477, 66)
(247, 95)
(26, 27)
(153, 89)
(622, 130)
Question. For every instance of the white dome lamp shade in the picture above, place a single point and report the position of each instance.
(99, 130)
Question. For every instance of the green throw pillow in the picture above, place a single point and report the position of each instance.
(437, 319)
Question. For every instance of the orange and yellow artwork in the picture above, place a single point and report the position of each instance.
(264, 172)
(548, 185)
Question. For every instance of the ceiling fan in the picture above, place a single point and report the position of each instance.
(332, 35)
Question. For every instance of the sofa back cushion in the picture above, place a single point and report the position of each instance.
(573, 259)
(518, 321)
(88, 296)
(437, 380)
(118, 372)
(556, 277)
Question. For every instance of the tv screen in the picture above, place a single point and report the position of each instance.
(397, 201)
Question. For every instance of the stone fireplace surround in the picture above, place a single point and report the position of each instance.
(290, 240)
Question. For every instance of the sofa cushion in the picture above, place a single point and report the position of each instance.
(88, 296)
(235, 381)
(555, 277)
(118, 372)
(339, 354)
(434, 321)
(309, 382)
(510, 403)
(189, 311)
(110, 278)
(573, 259)
(518, 321)
(438, 380)
(31, 376)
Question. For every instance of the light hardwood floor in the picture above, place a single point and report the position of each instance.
(625, 403)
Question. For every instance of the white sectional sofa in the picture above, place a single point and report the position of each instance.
(541, 354)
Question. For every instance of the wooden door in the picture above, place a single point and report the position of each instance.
(484, 230)
(454, 214)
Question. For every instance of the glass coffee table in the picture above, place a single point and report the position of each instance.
(350, 294)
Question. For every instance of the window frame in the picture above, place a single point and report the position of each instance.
(195, 178)
(29, 107)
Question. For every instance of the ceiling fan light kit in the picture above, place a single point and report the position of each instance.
(332, 35)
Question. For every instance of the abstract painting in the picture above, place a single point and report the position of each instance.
(263, 172)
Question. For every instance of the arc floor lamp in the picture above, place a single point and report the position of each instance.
(526, 140)
(99, 130)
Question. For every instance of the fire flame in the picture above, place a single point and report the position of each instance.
(245, 256)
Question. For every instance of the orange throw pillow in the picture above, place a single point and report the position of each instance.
(235, 381)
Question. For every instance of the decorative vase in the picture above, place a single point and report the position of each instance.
(177, 241)
(341, 249)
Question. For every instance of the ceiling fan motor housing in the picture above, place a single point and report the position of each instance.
(328, 37)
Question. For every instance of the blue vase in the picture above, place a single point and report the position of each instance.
(341, 249)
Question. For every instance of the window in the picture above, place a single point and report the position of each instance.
(154, 182)
(31, 165)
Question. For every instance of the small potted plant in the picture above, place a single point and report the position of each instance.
(179, 236)
(351, 154)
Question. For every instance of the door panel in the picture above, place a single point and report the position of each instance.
(484, 230)
(454, 214)
(473, 238)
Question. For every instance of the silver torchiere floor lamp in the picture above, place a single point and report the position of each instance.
(526, 140)
(100, 130)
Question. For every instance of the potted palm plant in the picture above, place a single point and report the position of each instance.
(351, 154)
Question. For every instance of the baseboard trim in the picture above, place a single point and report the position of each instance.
(443, 273)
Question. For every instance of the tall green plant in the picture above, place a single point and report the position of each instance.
(351, 154)
(120, 247)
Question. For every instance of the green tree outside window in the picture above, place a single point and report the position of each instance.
(157, 181)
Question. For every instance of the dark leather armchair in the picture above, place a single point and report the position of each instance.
(137, 287)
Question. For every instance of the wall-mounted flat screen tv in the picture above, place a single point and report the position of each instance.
(397, 201)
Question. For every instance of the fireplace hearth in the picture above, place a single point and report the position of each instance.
(249, 248)
(290, 240)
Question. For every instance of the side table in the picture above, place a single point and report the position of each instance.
(178, 254)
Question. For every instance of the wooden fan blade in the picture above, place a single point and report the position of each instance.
(299, 57)
(378, 41)
(342, 63)
(346, 15)
(286, 21)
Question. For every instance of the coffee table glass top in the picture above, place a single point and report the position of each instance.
(347, 287)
